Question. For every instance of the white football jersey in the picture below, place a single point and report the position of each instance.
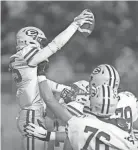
(127, 108)
(87, 109)
(25, 77)
(75, 108)
(90, 133)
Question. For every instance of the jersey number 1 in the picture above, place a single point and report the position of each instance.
(98, 142)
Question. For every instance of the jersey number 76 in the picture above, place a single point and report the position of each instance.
(98, 142)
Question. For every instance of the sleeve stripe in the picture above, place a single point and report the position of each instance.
(31, 56)
(87, 112)
(76, 110)
(33, 49)
(86, 107)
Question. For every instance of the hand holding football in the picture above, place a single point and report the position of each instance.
(86, 29)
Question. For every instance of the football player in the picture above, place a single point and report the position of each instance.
(73, 98)
(95, 131)
(127, 108)
(107, 74)
(32, 49)
(103, 74)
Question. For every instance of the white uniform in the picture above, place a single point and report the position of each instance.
(25, 77)
(28, 97)
(127, 109)
(90, 133)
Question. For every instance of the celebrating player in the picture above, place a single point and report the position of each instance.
(88, 132)
(31, 50)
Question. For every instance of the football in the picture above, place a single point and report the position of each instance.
(86, 29)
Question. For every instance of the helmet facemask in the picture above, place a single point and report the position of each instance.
(79, 92)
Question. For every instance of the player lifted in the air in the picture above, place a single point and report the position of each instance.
(23, 64)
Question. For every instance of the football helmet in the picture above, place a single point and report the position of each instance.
(105, 75)
(103, 101)
(30, 35)
(82, 91)
(79, 92)
(126, 95)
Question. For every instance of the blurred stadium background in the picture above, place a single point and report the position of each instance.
(114, 41)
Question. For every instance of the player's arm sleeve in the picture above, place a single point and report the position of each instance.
(58, 42)
(56, 87)
(52, 103)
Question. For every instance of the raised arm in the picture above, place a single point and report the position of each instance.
(51, 102)
(60, 40)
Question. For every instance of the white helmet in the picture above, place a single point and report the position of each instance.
(103, 101)
(79, 92)
(126, 95)
(105, 75)
(30, 35)
(83, 85)
(82, 91)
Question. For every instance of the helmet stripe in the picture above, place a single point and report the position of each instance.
(110, 75)
(74, 110)
(107, 111)
(103, 99)
(114, 76)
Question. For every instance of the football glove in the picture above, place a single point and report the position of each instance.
(85, 17)
(42, 68)
(36, 131)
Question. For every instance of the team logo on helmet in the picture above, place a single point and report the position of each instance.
(32, 32)
(96, 70)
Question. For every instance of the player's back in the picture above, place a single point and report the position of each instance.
(25, 77)
(90, 133)
(127, 108)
